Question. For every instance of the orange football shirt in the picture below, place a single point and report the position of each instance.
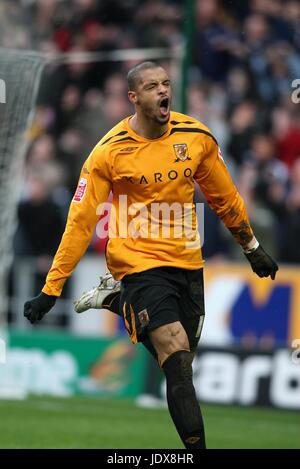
(153, 221)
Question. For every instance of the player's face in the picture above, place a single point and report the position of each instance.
(153, 95)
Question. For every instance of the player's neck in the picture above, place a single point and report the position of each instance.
(145, 128)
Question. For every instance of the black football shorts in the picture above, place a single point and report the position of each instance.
(161, 296)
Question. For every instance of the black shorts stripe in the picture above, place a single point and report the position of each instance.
(129, 321)
(126, 319)
(133, 334)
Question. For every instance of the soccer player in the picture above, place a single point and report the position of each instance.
(150, 161)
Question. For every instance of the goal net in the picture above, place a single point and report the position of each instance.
(20, 73)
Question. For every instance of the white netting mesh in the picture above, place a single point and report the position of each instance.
(19, 74)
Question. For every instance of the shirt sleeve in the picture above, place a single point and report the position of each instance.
(222, 195)
(93, 189)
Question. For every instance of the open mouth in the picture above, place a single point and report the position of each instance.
(164, 106)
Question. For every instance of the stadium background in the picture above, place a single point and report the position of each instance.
(237, 75)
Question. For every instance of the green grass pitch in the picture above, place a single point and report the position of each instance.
(105, 423)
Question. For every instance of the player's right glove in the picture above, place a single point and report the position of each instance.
(262, 264)
(35, 309)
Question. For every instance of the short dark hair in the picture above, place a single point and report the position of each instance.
(133, 76)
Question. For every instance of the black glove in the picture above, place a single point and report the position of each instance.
(35, 309)
(261, 263)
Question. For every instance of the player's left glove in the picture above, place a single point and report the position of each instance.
(35, 309)
(262, 264)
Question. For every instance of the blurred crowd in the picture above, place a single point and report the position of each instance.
(242, 83)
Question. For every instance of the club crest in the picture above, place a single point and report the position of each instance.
(181, 152)
(144, 317)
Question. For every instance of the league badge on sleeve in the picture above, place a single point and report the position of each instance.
(220, 154)
(80, 191)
